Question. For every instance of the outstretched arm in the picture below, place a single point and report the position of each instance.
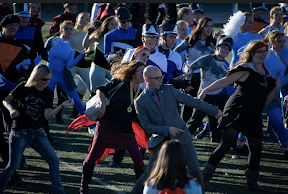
(223, 82)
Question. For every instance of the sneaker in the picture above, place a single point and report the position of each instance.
(235, 155)
(201, 134)
(23, 166)
(91, 130)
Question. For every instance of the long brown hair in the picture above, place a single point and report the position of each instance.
(196, 33)
(246, 55)
(100, 32)
(125, 71)
(171, 164)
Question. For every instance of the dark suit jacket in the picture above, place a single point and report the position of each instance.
(154, 122)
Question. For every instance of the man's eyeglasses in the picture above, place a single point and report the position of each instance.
(157, 78)
(45, 79)
(124, 21)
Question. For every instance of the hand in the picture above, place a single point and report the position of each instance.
(216, 34)
(101, 111)
(174, 131)
(68, 102)
(91, 30)
(278, 82)
(202, 95)
(85, 51)
(14, 113)
(285, 103)
(221, 114)
(188, 88)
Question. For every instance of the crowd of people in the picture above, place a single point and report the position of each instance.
(163, 69)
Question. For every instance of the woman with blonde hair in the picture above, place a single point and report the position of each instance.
(35, 20)
(255, 89)
(170, 171)
(114, 125)
(36, 101)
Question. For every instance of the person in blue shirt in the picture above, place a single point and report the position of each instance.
(244, 36)
(276, 18)
(123, 37)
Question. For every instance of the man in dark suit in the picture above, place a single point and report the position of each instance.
(158, 114)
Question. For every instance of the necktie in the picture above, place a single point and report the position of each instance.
(156, 100)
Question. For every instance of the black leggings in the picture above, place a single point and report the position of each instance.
(229, 137)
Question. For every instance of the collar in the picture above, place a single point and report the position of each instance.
(154, 51)
(123, 30)
(77, 30)
(244, 33)
(151, 92)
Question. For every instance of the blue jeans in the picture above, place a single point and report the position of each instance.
(37, 139)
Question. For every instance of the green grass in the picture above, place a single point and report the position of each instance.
(229, 176)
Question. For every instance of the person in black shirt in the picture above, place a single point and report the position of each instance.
(114, 126)
(36, 102)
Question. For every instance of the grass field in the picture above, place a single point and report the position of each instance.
(72, 150)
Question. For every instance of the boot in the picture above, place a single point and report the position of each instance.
(86, 177)
(252, 177)
(74, 114)
(139, 169)
(207, 174)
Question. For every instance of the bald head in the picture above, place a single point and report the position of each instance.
(152, 76)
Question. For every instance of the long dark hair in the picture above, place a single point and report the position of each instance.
(171, 164)
(196, 33)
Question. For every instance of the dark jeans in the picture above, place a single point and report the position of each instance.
(197, 116)
(186, 111)
(37, 139)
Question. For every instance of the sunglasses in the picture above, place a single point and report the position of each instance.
(124, 21)
(45, 79)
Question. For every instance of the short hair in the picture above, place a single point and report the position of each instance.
(285, 26)
(65, 22)
(180, 22)
(246, 15)
(182, 11)
(274, 9)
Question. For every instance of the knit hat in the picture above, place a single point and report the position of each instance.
(9, 19)
(122, 13)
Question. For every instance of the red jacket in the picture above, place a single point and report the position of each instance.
(58, 19)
